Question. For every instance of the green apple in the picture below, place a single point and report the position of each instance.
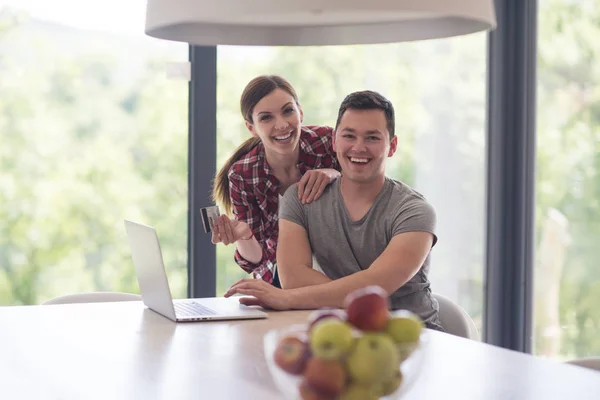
(355, 391)
(331, 339)
(373, 359)
(390, 386)
(404, 327)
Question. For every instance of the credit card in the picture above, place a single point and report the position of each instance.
(209, 217)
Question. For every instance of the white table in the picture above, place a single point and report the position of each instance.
(125, 351)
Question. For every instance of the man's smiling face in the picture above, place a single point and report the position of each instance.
(362, 143)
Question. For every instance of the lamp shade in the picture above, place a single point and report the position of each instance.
(314, 22)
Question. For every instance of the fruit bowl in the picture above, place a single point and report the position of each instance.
(289, 385)
(344, 355)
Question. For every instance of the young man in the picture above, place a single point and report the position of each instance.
(365, 229)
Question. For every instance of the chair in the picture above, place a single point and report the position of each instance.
(93, 297)
(455, 320)
(587, 362)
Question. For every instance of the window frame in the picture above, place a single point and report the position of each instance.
(510, 173)
(202, 161)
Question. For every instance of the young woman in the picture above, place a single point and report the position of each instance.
(280, 152)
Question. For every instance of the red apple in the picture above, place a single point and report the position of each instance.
(323, 313)
(327, 377)
(292, 354)
(368, 308)
(307, 392)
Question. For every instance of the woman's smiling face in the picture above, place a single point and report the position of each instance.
(277, 120)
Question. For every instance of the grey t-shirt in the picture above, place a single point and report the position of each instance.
(342, 247)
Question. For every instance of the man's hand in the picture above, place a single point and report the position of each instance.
(314, 182)
(264, 294)
(228, 231)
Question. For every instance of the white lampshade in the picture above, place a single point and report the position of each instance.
(314, 22)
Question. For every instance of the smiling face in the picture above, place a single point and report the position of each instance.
(362, 143)
(276, 120)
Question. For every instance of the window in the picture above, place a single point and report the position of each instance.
(567, 270)
(92, 132)
(438, 91)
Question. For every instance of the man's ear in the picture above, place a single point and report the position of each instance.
(393, 146)
(251, 129)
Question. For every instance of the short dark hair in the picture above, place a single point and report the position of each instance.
(368, 100)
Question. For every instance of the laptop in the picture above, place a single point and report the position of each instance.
(154, 285)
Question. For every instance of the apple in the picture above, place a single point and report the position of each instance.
(327, 377)
(404, 327)
(307, 392)
(390, 386)
(373, 360)
(331, 339)
(355, 391)
(368, 308)
(323, 313)
(292, 354)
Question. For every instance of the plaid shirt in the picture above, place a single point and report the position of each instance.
(254, 192)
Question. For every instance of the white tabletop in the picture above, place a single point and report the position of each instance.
(125, 351)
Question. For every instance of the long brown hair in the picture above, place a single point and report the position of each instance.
(254, 92)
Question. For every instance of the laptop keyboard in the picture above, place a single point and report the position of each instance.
(191, 308)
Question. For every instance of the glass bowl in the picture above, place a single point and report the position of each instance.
(289, 385)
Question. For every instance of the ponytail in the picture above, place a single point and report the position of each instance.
(220, 192)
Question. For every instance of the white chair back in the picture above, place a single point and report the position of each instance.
(93, 297)
(455, 320)
(587, 362)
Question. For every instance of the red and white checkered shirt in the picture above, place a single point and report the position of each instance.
(254, 192)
